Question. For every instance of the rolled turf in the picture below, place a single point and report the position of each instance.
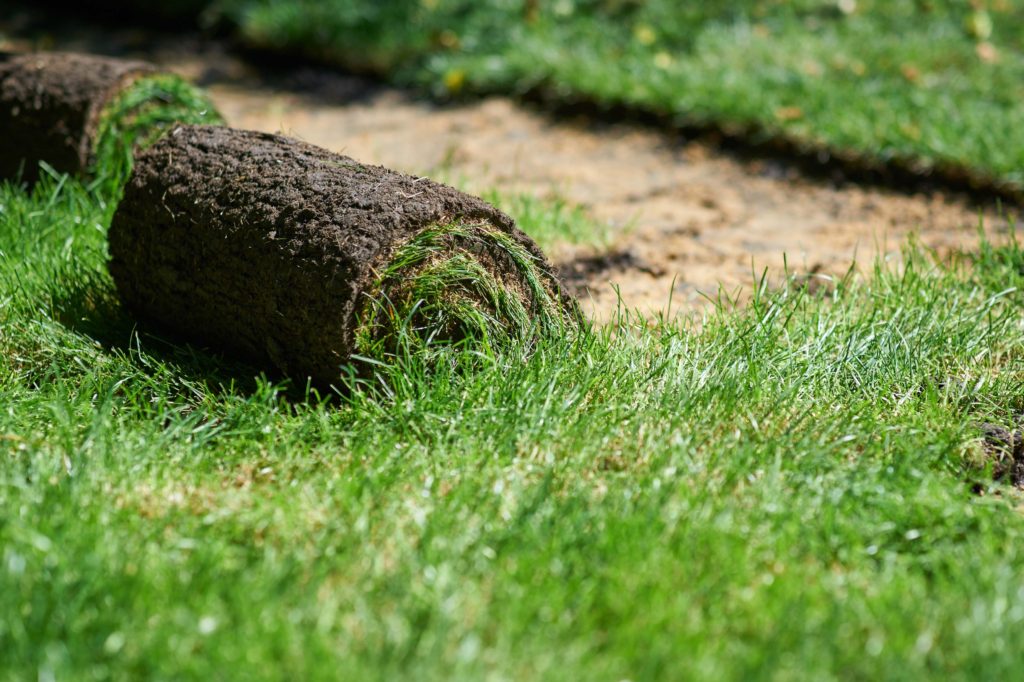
(85, 115)
(297, 258)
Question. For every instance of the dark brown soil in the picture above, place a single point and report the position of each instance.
(50, 105)
(1005, 448)
(578, 272)
(264, 246)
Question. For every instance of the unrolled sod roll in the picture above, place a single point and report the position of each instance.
(84, 114)
(294, 257)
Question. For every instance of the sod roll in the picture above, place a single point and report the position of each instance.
(297, 258)
(85, 115)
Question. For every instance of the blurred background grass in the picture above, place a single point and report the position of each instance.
(929, 85)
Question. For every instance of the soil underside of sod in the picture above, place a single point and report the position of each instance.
(294, 239)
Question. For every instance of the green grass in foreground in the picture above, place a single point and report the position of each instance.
(939, 82)
(779, 493)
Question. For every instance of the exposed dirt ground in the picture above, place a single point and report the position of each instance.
(686, 217)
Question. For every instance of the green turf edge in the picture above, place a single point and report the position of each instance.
(440, 289)
(546, 69)
(138, 115)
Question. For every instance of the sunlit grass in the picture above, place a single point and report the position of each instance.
(554, 222)
(781, 491)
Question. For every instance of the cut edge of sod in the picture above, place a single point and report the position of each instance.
(460, 285)
(138, 115)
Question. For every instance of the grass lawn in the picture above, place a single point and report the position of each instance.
(781, 491)
(931, 83)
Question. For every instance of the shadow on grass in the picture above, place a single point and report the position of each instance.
(90, 307)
